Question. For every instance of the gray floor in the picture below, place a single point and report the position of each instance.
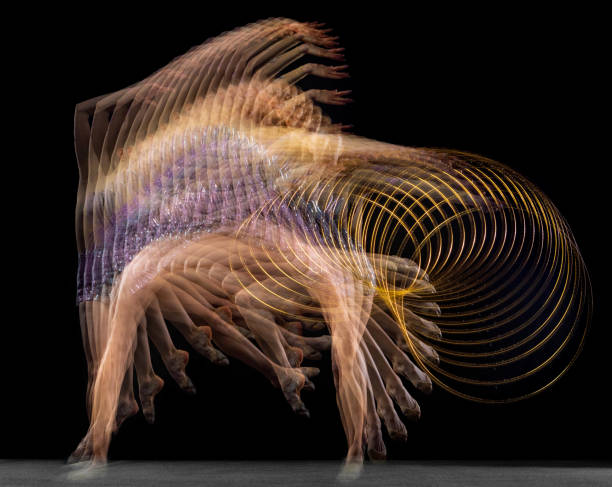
(295, 474)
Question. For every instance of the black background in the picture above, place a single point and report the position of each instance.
(517, 86)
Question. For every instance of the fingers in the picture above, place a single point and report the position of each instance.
(413, 323)
(384, 404)
(401, 364)
(420, 325)
(404, 268)
(330, 97)
(330, 72)
(426, 308)
(393, 383)
(417, 346)
(320, 70)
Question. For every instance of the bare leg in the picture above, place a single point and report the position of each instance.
(175, 360)
(149, 384)
(343, 301)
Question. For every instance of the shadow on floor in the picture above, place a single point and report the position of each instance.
(297, 474)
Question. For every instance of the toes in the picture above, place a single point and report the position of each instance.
(405, 401)
(350, 471)
(310, 372)
(373, 433)
(393, 424)
(426, 308)
(415, 345)
(83, 452)
(87, 471)
(308, 346)
(147, 391)
(403, 366)
(225, 313)
(294, 327)
(176, 364)
(312, 354)
(308, 386)
(425, 351)
(313, 327)
(294, 355)
(200, 340)
(424, 385)
(322, 343)
(376, 445)
(291, 383)
(425, 327)
(397, 431)
(125, 409)
(244, 332)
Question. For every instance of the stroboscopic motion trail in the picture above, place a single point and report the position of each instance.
(215, 196)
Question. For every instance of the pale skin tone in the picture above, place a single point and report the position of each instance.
(228, 295)
(183, 302)
(217, 198)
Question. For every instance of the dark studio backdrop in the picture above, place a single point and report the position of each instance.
(510, 85)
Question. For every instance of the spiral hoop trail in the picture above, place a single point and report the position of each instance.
(216, 197)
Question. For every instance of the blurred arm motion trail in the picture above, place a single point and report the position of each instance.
(216, 196)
